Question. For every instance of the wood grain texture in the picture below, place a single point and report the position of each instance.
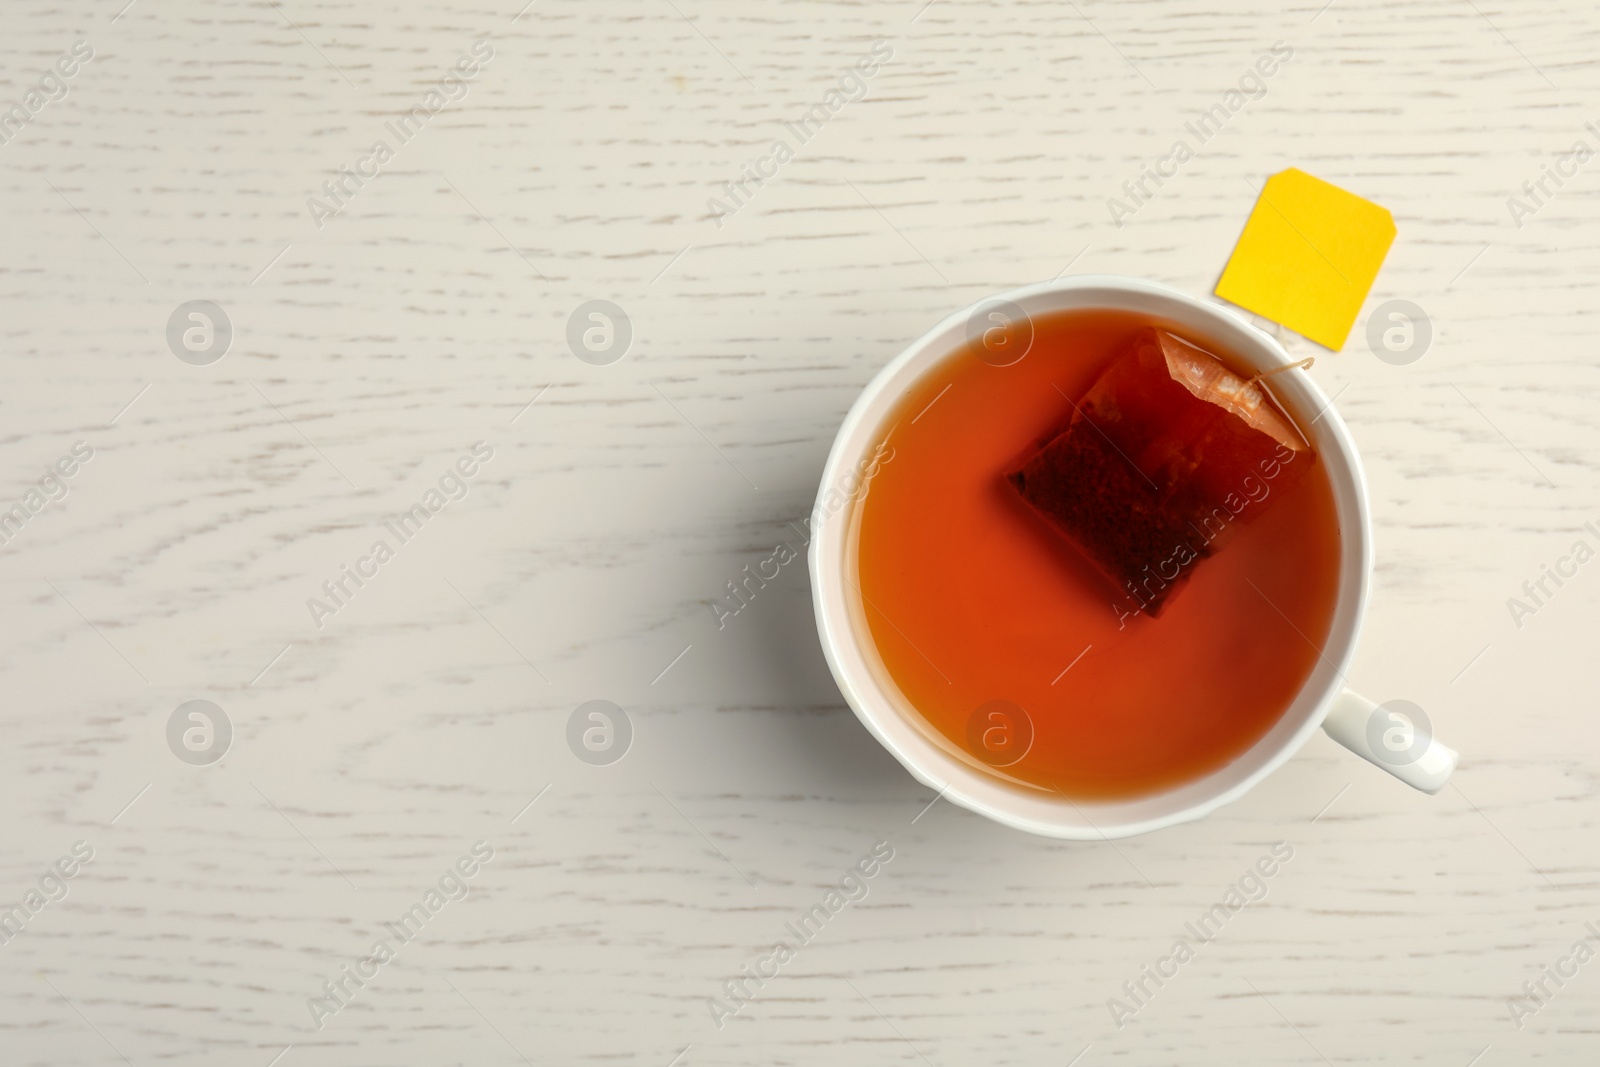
(373, 350)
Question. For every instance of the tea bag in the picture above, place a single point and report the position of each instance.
(1166, 454)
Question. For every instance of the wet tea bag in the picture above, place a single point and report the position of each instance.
(1166, 454)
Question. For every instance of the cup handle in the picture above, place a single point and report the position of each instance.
(1347, 723)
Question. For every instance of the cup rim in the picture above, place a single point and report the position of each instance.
(985, 793)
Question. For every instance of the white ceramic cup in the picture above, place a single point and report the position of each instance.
(1385, 737)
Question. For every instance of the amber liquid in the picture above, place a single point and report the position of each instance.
(971, 599)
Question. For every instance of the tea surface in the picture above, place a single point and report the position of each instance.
(977, 608)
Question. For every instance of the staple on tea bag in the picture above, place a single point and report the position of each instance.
(1165, 455)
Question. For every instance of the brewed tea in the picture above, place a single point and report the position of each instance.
(997, 623)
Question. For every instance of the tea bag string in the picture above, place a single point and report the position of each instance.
(1304, 364)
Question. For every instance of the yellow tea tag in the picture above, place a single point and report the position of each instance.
(1307, 257)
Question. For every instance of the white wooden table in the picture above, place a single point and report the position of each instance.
(373, 345)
